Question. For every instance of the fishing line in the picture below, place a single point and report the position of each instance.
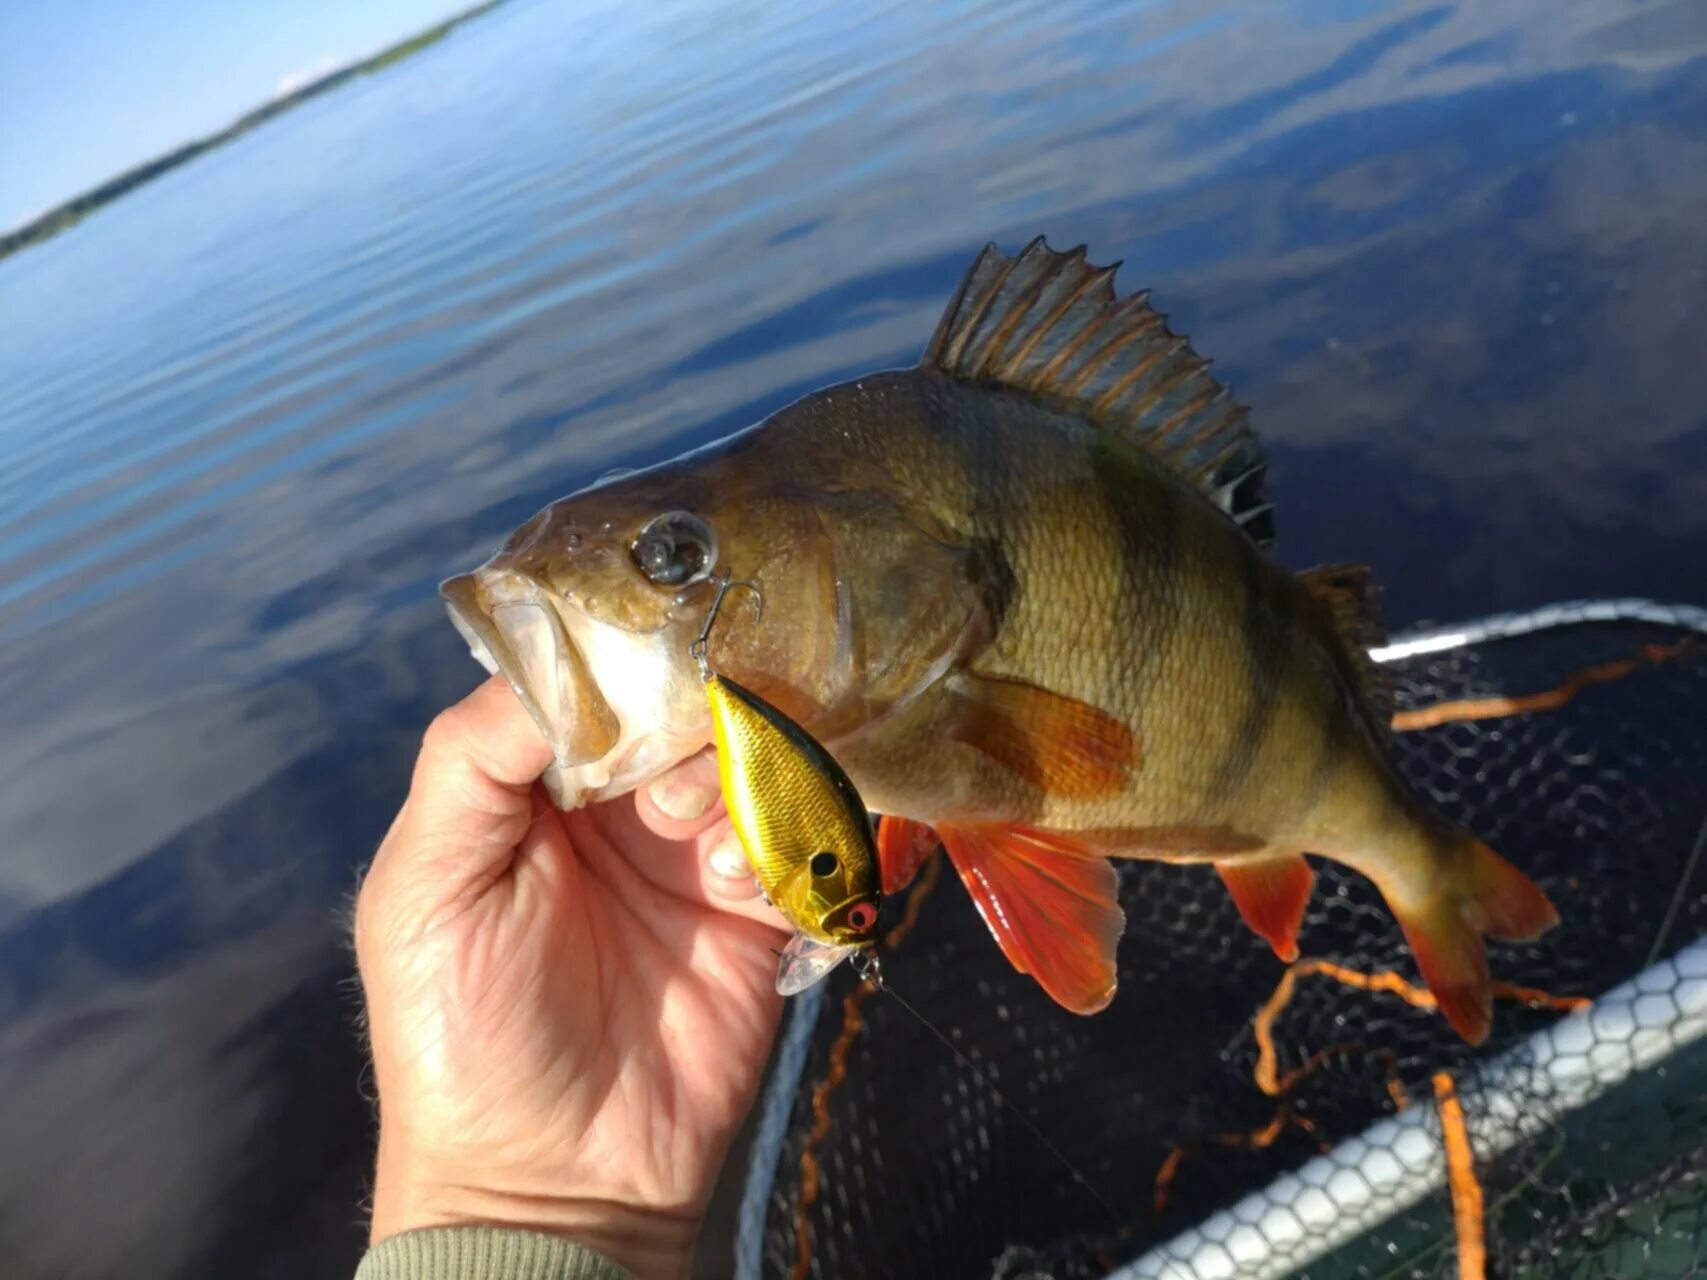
(1000, 1097)
(1682, 892)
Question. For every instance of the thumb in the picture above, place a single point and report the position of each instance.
(471, 799)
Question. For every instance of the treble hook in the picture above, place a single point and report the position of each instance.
(725, 584)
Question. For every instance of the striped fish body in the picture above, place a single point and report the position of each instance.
(1112, 583)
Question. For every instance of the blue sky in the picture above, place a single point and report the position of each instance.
(91, 87)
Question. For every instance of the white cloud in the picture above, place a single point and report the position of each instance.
(291, 81)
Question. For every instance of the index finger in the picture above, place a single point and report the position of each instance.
(491, 732)
(471, 796)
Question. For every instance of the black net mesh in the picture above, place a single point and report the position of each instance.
(900, 1161)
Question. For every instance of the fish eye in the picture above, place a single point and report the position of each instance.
(862, 915)
(675, 549)
(823, 864)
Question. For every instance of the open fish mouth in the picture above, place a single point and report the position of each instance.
(513, 630)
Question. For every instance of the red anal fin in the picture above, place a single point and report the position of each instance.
(1059, 744)
(1271, 894)
(902, 846)
(1053, 909)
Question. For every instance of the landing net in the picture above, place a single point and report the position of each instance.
(1249, 1121)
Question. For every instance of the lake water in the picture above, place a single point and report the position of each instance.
(1452, 255)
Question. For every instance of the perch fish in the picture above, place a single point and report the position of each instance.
(1023, 593)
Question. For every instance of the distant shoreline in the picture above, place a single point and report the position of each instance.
(68, 214)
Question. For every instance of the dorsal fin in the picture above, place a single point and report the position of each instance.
(1048, 324)
(1347, 593)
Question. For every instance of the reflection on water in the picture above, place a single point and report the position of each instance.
(1452, 256)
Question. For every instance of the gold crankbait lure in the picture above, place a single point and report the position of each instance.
(805, 831)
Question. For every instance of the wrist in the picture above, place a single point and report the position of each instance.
(651, 1242)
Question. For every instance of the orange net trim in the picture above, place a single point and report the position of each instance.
(1547, 699)
(1268, 1077)
(1461, 1180)
(853, 1022)
(1278, 1084)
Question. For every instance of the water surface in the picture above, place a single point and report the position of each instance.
(1451, 255)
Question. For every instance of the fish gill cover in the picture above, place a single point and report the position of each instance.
(1245, 1120)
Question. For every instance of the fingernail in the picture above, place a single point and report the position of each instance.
(681, 799)
(727, 860)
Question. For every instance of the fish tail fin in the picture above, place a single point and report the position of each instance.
(1474, 893)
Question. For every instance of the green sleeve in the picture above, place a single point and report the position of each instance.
(484, 1253)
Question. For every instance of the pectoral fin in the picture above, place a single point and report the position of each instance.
(1061, 745)
(1051, 905)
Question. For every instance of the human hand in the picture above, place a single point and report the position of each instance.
(569, 1012)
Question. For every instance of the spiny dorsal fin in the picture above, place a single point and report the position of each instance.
(1347, 593)
(1049, 324)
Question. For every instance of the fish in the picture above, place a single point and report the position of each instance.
(803, 826)
(1025, 594)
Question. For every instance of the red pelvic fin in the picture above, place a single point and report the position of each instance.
(1271, 894)
(1051, 905)
(902, 845)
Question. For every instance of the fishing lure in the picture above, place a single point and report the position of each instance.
(803, 826)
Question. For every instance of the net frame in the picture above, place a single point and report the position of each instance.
(1365, 1181)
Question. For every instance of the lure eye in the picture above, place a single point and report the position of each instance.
(862, 916)
(675, 549)
(822, 864)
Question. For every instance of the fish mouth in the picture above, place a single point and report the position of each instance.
(513, 630)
